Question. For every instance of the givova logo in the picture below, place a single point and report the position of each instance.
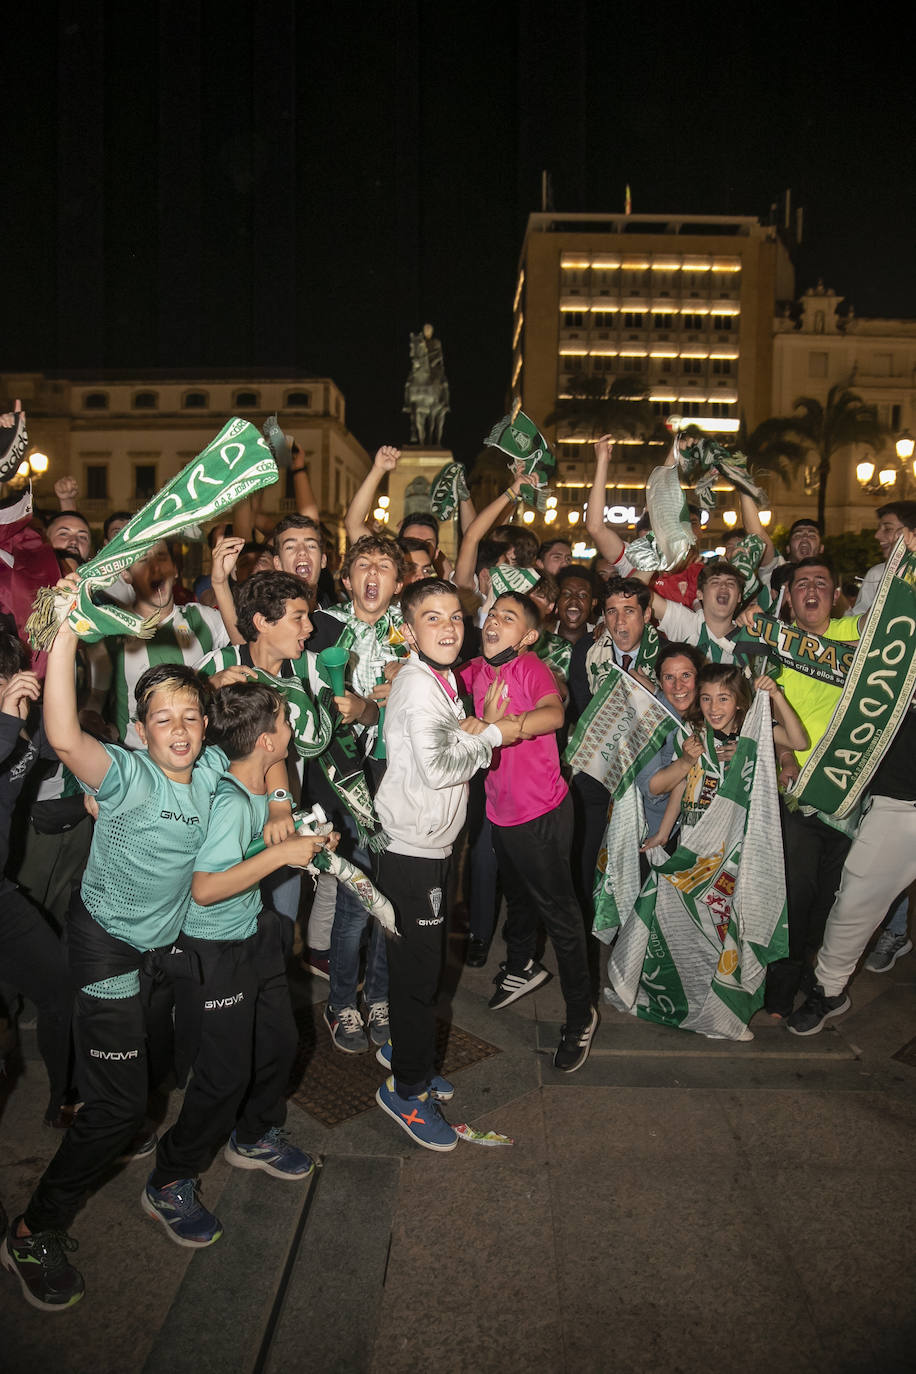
(114, 1054)
(217, 1002)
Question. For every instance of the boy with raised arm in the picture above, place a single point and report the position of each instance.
(153, 804)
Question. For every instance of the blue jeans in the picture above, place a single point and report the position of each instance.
(350, 917)
(898, 922)
(281, 891)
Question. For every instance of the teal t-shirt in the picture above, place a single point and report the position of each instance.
(137, 882)
(237, 816)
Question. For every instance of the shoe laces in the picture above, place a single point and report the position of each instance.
(886, 941)
(379, 1012)
(183, 1197)
(50, 1246)
(275, 1138)
(350, 1019)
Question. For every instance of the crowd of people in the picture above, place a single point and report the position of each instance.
(585, 732)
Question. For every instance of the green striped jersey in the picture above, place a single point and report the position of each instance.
(188, 636)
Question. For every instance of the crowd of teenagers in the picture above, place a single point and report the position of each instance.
(154, 886)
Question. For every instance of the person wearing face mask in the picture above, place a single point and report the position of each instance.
(530, 810)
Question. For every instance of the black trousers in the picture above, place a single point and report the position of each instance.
(536, 877)
(814, 857)
(240, 1021)
(590, 807)
(111, 1056)
(417, 888)
(34, 962)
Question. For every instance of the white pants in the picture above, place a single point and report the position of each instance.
(880, 864)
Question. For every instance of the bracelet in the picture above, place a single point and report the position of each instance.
(281, 795)
(512, 496)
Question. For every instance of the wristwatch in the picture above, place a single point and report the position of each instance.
(281, 795)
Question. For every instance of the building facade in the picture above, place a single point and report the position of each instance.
(122, 438)
(876, 359)
(682, 305)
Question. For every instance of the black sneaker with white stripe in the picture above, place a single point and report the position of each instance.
(511, 986)
(574, 1045)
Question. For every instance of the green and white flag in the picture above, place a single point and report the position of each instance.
(520, 438)
(555, 651)
(694, 950)
(876, 696)
(509, 578)
(236, 463)
(704, 461)
(448, 490)
(620, 730)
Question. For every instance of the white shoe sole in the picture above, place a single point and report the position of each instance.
(345, 1049)
(9, 1264)
(886, 968)
(243, 1162)
(542, 976)
(153, 1212)
(815, 1030)
(425, 1144)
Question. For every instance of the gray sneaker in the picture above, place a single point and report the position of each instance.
(346, 1029)
(377, 1022)
(888, 949)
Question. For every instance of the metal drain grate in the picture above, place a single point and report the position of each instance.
(334, 1087)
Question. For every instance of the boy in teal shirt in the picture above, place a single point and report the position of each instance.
(238, 1017)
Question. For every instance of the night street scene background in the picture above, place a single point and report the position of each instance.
(288, 186)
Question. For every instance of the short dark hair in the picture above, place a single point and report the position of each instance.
(420, 517)
(413, 596)
(384, 544)
(239, 713)
(905, 512)
(549, 544)
(804, 520)
(266, 594)
(14, 656)
(115, 515)
(66, 515)
(410, 545)
(296, 522)
(489, 552)
(525, 545)
(813, 560)
(629, 586)
(581, 572)
(677, 649)
(720, 567)
(528, 607)
(171, 677)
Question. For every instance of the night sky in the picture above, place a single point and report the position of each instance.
(205, 185)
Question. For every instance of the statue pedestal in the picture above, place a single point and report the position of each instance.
(409, 487)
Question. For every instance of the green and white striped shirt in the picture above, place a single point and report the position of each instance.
(188, 636)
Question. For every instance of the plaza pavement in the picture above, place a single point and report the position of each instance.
(677, 1205)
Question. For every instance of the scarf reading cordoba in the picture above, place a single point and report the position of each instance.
(236, 463)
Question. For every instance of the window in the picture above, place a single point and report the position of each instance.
(895, 417)
(817, 364)
(195, 400)
(602, 319)
(693, 365)
(692, 321)
(145, 484)
(633, 364)
(604, 364)
(667, 364)
(632, 319)
(247, 398)
(573, 319)
(97, 481)
(299, 399)
(145, 400)
(662, 321)
(95, 400)
(721, 367)
(722, 322)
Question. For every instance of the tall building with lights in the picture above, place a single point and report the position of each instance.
(681, 304)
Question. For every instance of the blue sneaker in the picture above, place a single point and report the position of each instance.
(181, 1212)
(419, 1116)
(272, 1153)
(441, 1089)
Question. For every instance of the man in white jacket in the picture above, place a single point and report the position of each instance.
(433, 751)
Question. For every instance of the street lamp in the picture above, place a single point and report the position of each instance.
(729, 518)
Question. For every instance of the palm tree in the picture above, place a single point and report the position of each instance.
(814, 433)
(621, 409)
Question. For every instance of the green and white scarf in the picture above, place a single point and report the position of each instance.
(509, 578)
(449, 488)
(704, 461)
(601, 658)
(520, 438)
(555, 651)
(370, 646)
(876, 696)
(693, 951)
(826, 660)
(236, 463)
(670, 544)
